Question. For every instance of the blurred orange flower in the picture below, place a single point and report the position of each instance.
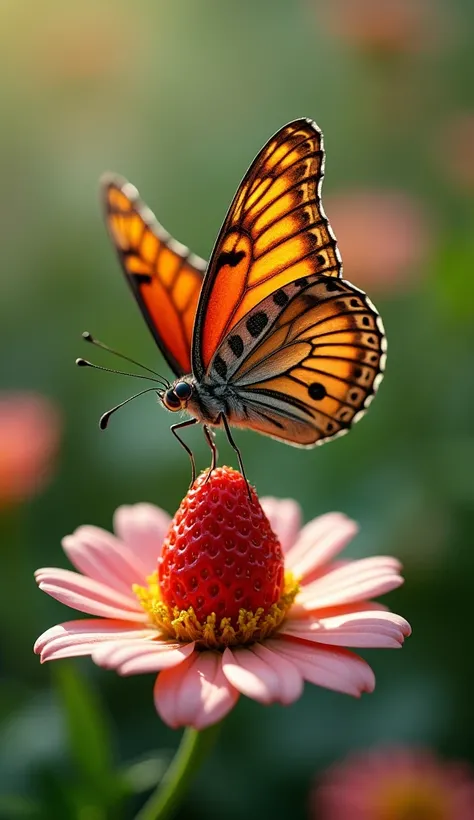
(454, 150)
(387, 27)
(30, 428)
(383, 237)
(395, 784)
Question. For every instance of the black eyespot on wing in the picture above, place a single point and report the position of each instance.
(141, 278)
(256, 323)
(231, 258)
(280, 298)
(220, 367)
(236, 345)
(332, 285)
(317, 391)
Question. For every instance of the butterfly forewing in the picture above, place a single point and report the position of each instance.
(305, 362)
(275, 232)
(165, 276)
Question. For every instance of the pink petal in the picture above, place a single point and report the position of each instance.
(262, 674)
(75, 638)
(285, 519)
(330, 667)
(319, 541)
(196, 693)
(370, 629)
(88, 595)
(135, 657)
(250, 675)
(143, 528)
(355, 581)
(99, 555)
(297, 612)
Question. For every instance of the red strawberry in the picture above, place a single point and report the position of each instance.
(220, 554)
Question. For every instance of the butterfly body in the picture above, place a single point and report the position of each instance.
(268, 336)
(207, 403)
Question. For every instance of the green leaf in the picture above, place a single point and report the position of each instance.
(144, 774)
(89, 735)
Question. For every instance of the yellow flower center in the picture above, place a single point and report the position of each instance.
(411, 800)
(183, 625)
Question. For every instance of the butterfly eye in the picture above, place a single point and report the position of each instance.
(183, 390)
(171, 400)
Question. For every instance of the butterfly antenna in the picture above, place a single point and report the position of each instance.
(104, 419)
(88, 337)
(86, 363)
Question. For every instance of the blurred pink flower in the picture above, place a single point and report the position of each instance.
(30, 428)
(385, 27)
(395, 784)
(200, 680)
(383, 238)
(454, 150)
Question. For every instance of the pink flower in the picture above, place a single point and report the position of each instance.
(205, 663)
(386, 27)
(395, 784)
(383, 238)
(30, 429)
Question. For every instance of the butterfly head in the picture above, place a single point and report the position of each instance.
(177, 396)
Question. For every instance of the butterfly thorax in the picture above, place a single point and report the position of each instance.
(206, 402)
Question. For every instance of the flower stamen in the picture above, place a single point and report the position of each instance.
(183, 625)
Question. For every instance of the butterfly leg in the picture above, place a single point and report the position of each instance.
(236, 450)
(209, 435)
(179, 426)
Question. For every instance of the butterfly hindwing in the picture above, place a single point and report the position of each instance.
(275, 232)
(304, 363)
(164, 276)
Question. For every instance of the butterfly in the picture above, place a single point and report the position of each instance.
(268, 335)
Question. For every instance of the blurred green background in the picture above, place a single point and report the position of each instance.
(179, 97)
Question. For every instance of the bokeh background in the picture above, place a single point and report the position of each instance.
(179, 97)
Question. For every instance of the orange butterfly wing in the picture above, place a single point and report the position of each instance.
(305, 363)
(275, 232)
(164, 276)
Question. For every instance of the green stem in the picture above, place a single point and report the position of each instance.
(192, 751)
